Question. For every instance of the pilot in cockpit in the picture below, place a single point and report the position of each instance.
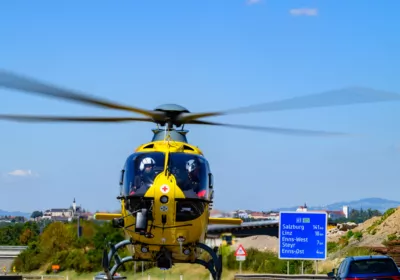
(146, 174)
(193, 173)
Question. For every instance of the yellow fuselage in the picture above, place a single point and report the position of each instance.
(178, 224)
(167, 234)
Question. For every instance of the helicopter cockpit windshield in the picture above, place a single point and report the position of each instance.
(191, 174)
(140, 171)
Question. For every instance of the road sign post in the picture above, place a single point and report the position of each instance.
(240, 254)
(303, 235)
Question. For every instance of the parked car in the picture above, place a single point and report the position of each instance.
(366, 267)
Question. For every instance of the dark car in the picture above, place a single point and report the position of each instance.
(377, 267)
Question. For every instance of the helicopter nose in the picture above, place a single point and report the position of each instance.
(163, 199)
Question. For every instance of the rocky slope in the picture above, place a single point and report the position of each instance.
(377, 231)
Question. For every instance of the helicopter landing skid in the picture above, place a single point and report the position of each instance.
(214, 265)
(107, 257)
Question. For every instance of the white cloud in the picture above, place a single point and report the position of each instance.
(304, 12)
(252, 2)
(22, 173)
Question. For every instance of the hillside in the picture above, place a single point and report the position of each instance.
(14, 213)
(376, 231)
(375, 203)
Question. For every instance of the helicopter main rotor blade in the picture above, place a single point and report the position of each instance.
(31, 118)
(278, 130)
(18, 82)
(345, 96)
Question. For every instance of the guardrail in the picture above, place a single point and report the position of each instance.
(26, 277)
(280, 276)
(13, 247)
(29, 277)
(8, 255)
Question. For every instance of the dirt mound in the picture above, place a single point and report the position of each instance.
(259, 242)
(366, 224)
(374, 231)
(377, 231)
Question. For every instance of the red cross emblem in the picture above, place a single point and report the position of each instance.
(164, 189)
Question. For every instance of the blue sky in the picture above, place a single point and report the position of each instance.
(204, 55)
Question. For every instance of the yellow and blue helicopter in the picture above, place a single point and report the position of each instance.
(166, 185)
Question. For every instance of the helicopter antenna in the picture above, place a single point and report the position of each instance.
(166, 133)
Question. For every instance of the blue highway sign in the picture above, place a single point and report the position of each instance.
(303, 235)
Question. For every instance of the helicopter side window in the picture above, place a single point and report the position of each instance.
(140, 171)
(191, 174)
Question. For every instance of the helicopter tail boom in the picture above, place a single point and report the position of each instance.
(224, 221)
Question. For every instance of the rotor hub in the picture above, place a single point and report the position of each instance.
(169, 114)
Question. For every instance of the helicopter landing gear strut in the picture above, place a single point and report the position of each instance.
(107, 257)
(215, 264)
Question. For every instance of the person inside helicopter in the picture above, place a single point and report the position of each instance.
(145, 176)
(190, 177)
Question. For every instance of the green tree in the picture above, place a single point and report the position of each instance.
(36, 214)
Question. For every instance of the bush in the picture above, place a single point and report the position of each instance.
(358, 235)
(349, 234)
(343, 241)
(28, 259)
(392, 237)
(59, 245)
(332, 247)
(266, 262)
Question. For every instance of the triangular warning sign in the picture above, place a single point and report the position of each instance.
(240, 251)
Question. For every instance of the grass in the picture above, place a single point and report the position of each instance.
(189, 271)
(359, 251)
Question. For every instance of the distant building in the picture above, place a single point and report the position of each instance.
(257, 215)
(272, 216)
(346, 211)
(302, 208)
(242, 214)
(66, 214)
(332, 214)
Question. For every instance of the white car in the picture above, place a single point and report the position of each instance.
(102, 276)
